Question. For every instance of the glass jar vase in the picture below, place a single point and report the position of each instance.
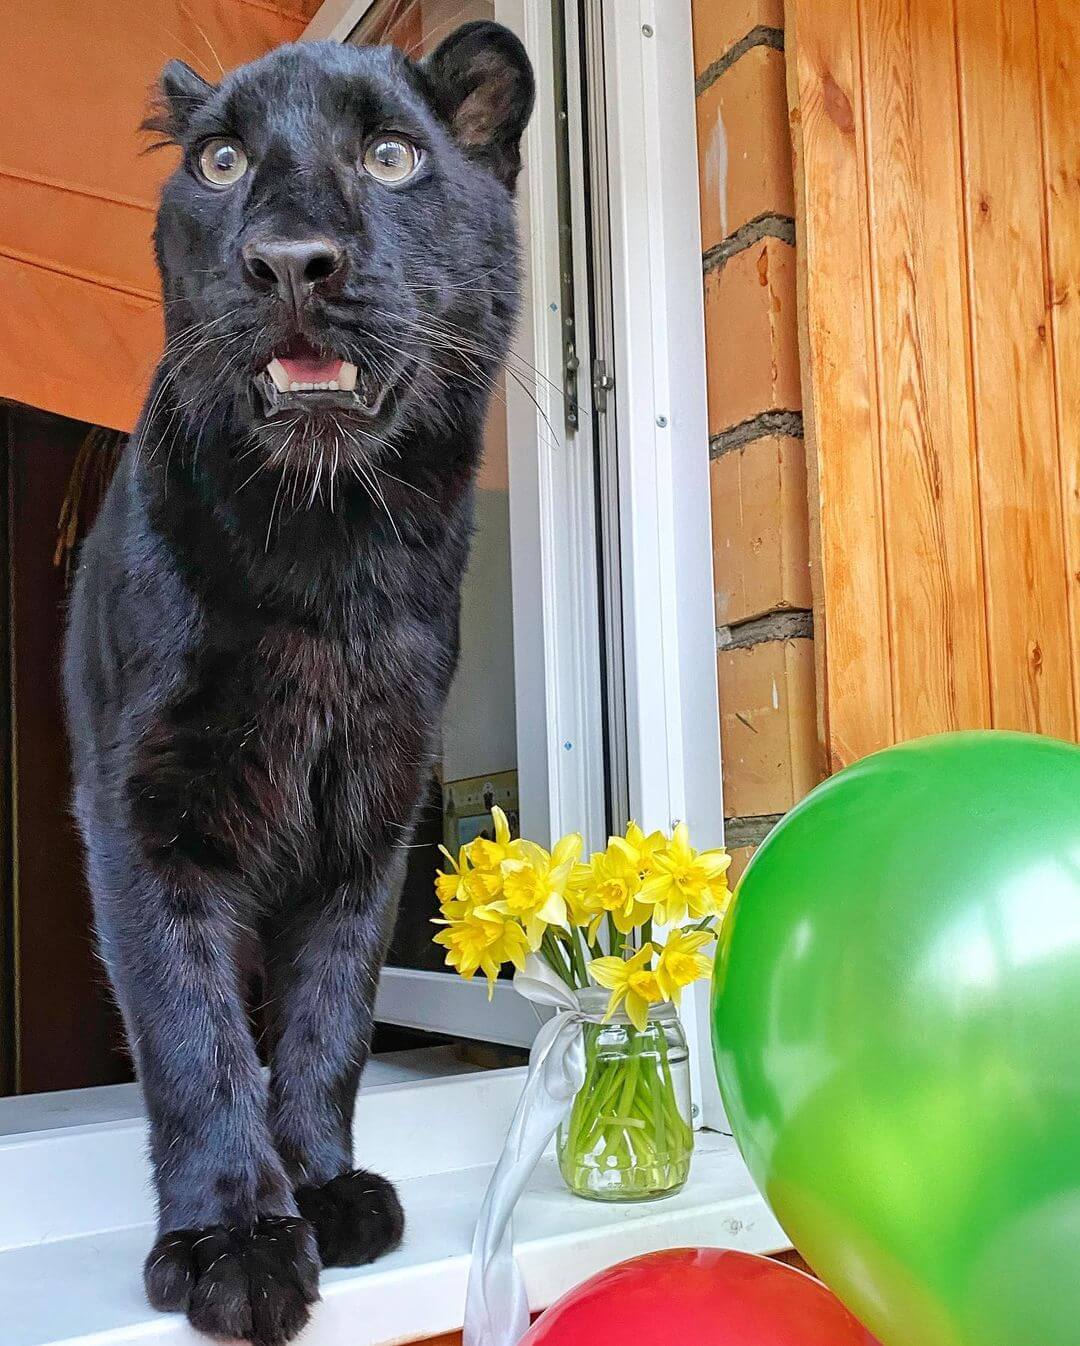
(629, 1136)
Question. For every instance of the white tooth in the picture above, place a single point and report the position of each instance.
(346, 379)
(333, 385)
(295, 387)
(321, 386)
(278, 376)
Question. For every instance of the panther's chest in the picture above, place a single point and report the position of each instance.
(298, 752)
(352, 727)
(365, 694)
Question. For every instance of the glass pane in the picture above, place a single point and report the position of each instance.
(479, 756)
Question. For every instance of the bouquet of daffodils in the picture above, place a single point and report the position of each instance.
(505, 898)
(636, 919)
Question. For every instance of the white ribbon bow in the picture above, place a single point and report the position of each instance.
(496, 1306)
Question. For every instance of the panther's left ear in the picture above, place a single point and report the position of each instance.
(485, 88)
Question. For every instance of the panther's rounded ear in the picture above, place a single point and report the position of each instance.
(180, 92)
(485, 88)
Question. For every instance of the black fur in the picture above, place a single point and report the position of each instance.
(264, 628)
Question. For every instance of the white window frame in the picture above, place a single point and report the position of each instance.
(658, 291)
(672, 710)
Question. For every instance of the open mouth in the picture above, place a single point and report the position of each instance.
(302, 377)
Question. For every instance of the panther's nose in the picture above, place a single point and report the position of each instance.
(294, 267)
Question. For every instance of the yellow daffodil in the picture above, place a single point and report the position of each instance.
(487, 856)
(682, 962)
(644, 847)
(449, 883)
(534, 886)
(686, 883)
(612, 887)
(580, 879)
(482, 941)
(632, 983)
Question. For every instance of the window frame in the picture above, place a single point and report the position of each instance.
(663, 467)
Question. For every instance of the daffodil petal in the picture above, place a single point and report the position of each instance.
(637, 1010)
(608, 972)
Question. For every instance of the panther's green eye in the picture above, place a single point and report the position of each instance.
(391, 159)
(223, 162)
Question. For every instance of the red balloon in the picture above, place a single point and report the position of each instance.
(699, 1297)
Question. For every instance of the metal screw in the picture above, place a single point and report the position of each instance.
(661, 421)
(647, 30)
(695, 1111)
(554, 308)
(568, 745)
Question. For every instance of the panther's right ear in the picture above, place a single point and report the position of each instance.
(180, 93)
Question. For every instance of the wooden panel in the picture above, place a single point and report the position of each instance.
(839, 383)
(1027, 612)
(938, 185)
(929, 476)
(1059, 62)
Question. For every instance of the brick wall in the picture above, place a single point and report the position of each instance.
(761, 561)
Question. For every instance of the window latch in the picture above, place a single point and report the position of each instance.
(602, 384)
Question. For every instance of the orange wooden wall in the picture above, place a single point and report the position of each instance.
(938, 177)
(80, 329)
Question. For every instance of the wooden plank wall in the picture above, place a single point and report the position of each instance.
(938, 213)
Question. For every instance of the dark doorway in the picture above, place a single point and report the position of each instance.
(58, 1027)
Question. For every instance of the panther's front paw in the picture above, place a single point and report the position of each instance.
(357, 1218)
(255, 1283)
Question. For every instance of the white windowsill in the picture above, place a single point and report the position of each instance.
(76, 1218)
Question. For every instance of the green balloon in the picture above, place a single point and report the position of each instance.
(896, 1028)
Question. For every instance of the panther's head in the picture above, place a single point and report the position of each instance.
(337, 245)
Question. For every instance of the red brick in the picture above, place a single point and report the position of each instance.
(740, 858)
(752, 347)
(761, 530)
(719, 24)
(744, 145)
(768, 719)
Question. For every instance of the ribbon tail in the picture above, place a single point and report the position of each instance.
(496, 1305)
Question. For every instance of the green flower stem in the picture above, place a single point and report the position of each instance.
(587, 1090)
(577, 958)
(646, 931)
(681, 1126)
(550, 946)
(659, 1110)
(603, 1102)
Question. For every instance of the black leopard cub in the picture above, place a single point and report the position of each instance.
(265, 624)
